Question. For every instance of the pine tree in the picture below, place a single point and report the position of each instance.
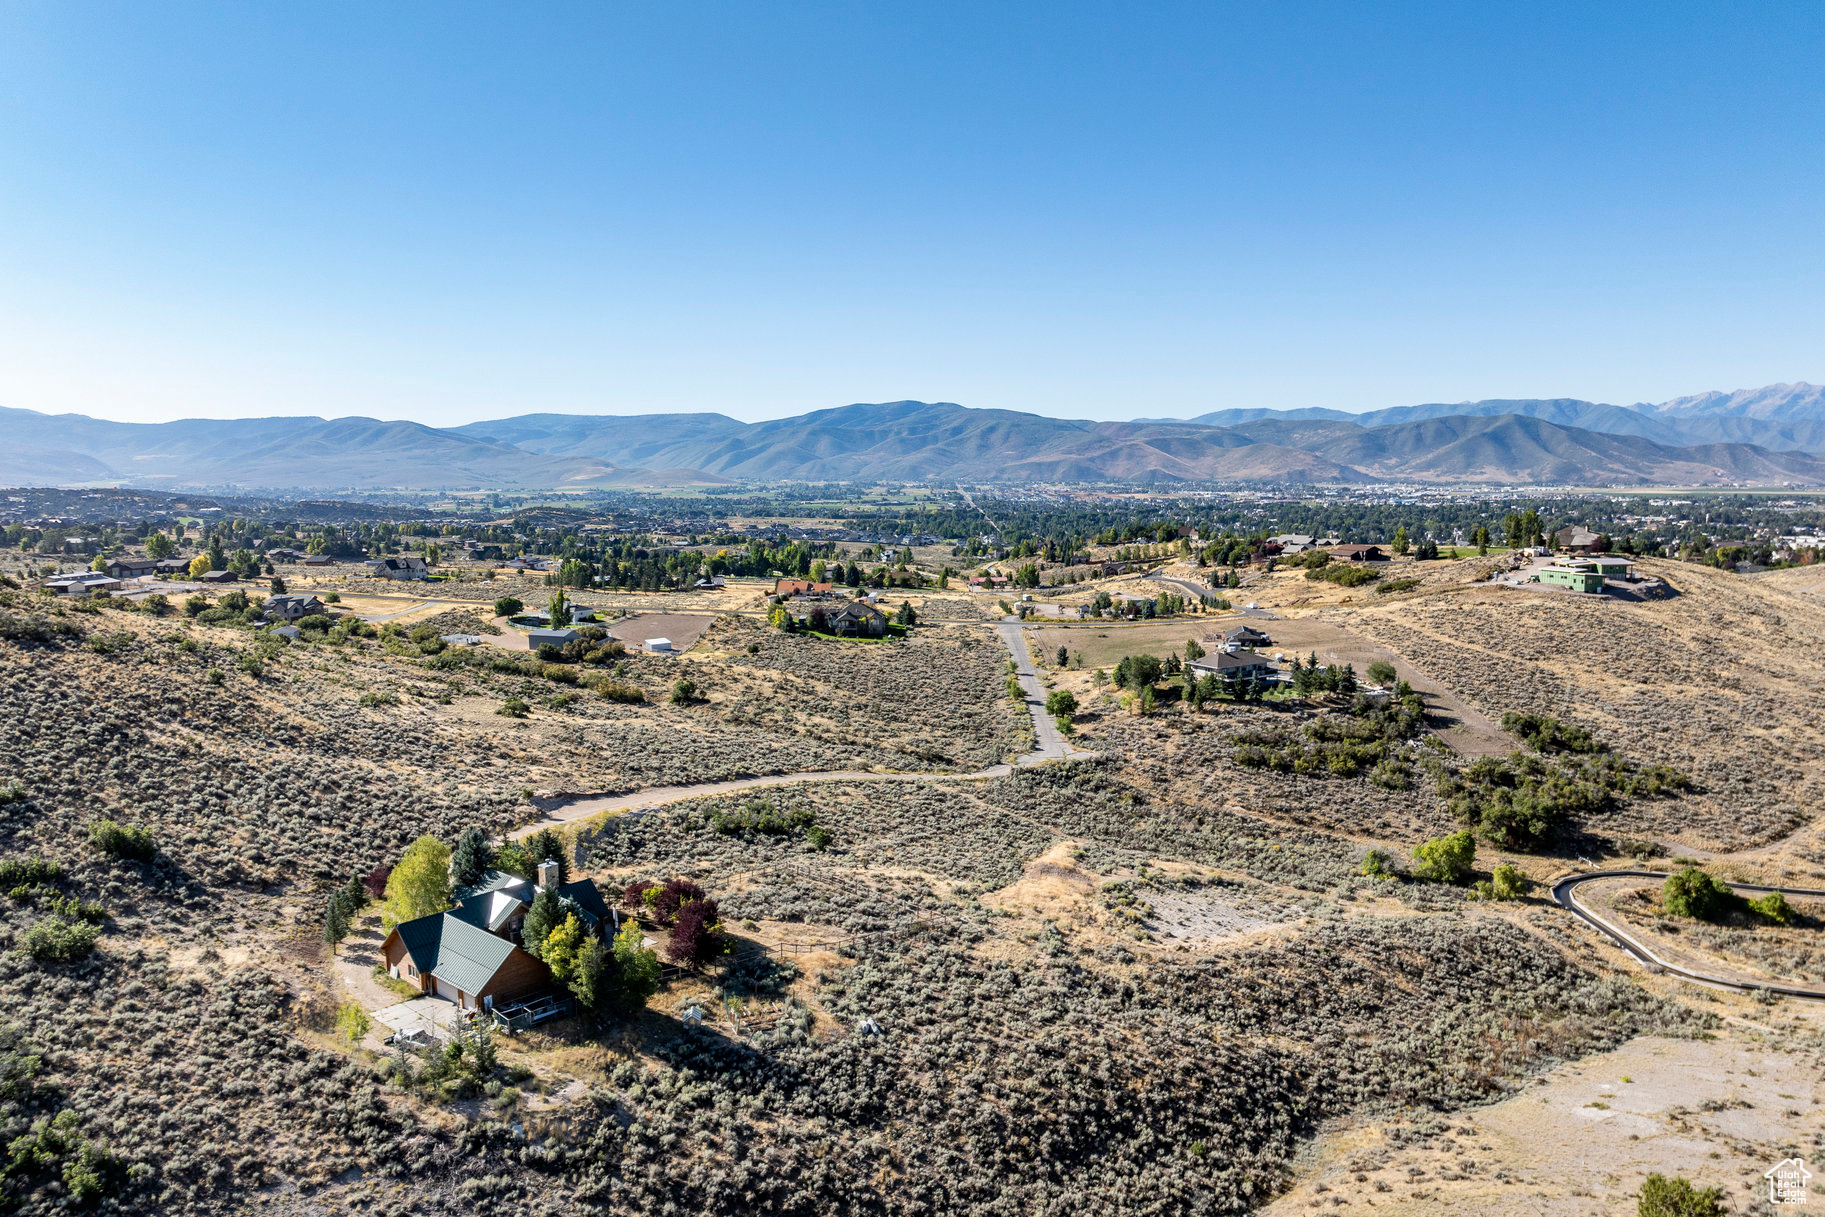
(335, 923)
(472, 858)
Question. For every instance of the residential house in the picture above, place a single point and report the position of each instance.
(82, 583)
(858, 617)
(217, 576)
(285, 553)
(1242, 665)
(1245, 636)
(471, 953)
(1578, 578)
(714, 584)
(292, 607)
(132, 568)
(1291, 543)
(316, 560)
(1577, 539)
(409, 566)
(172, 566)
(1358, 553)
(556, 638)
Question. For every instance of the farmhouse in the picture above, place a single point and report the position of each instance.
(292, 607)
(408, 567)
(471, 953)
(1242, 665)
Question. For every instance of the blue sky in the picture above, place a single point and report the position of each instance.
(449, 212)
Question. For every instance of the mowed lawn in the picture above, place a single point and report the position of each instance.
(1102, 644)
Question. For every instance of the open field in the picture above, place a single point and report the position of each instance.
(1157, 980)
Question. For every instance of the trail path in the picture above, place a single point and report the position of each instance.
(1051, 746)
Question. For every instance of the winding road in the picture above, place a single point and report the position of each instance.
(1565, 894)
(1050, 745)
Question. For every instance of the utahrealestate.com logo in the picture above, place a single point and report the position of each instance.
(1787, 1182)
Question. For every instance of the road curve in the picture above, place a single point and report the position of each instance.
(1050, 746)
(1565, 895)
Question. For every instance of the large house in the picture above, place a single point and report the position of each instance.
(410, 566)
(471, 953)
(801, 587)
(1245, 636)
(1242, 665)
(131, 568)
(857, 617)
(82, 584)
(1358, 553)
(1578, 539)
(292, 607)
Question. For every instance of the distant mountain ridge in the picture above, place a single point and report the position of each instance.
(1563, 441)
(1787, 418)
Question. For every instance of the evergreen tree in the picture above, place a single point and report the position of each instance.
(545, 915)
(335, 923)
(472, 858)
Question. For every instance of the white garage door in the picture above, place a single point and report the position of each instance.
(444, 989)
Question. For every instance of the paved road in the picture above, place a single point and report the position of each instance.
(1050, 743)
(1199, 590)
(1051, 746)
(1565, 893)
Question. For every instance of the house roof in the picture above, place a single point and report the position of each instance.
(1243, 633)
(454, 950)
(588, 898)
(1224, 661)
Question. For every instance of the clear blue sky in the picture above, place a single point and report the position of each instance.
(448, 212)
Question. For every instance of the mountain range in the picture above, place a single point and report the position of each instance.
(1772, 436)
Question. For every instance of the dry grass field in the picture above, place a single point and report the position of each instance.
(1725, 681)
(1158, 981)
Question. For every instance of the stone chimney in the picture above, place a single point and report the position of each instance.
(548, 873)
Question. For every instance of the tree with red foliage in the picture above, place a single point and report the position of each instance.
(674, 895)
(376, 882)
(696, 936)
(633, 896)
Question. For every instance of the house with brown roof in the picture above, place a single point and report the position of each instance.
(1358, 553)
(801, 587)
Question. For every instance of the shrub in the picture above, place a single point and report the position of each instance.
(1379, 864)
(1772, 907)
(352, 1022)
(1543, 733)
(56, 940)
(1382, 672)
(818, 838)
(507, 606)
(514, 707)
(1676, 1197)
(1507, 882)
(1445, 859)
(122, 840)
(1061, 703)
(21, 872)
(683, 691)
(618, 691)
(1690, 892)
(1395, 585)
(1342, 574)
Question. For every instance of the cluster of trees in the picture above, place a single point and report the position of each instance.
(690, 916)
(1691, 892)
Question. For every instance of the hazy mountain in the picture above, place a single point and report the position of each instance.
(1787, 418)
(911, 441)
(283, 453)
